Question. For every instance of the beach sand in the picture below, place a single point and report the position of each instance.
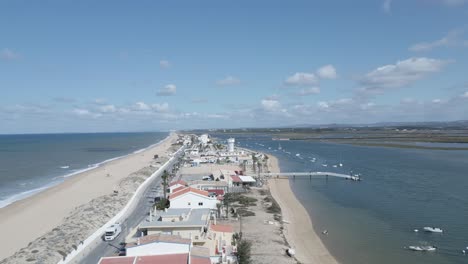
(26, 220)
(299, 232)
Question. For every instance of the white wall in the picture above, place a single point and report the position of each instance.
(191, 200)
(157, 248)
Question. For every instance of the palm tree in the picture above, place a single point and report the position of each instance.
(165, 177)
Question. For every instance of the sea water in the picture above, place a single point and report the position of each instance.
(372, 221)
(32, 163)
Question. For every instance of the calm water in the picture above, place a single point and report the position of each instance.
(30, 163)
(371, 221)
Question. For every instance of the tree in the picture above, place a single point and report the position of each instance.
(243, 252)
(165, 177)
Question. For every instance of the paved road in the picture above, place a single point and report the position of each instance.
(111, 248)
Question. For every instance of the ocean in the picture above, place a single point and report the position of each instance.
(32, 163)
(372, 221)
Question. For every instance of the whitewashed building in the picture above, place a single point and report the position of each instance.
(192, 198)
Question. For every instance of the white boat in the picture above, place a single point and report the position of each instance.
(65, 167)
(341, 164)
(291, 252)
(297, 155)
(279, 147)
(432, 229)
(335, 166)
(325, 165)
(422, 248)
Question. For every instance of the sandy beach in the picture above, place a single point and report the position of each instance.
(299, 232)
(25, 221)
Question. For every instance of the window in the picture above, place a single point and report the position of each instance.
(200, 203)
(188, 203)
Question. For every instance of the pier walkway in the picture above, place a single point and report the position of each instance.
(310, 174)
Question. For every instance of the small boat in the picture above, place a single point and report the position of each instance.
(297, 155)
(422, 248)
(335, 166)
(291, 252)
(279, 147)
(64, 167)
(325, 165)
(433, 229)
(341, 164)
(325, 232)
(416, 230)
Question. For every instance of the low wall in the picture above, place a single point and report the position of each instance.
(76, 255)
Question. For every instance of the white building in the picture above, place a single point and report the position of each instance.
(192, 198)
(185, 222)
(159, 244)
(231, 142)
(204, 139)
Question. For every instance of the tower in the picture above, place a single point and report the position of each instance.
(231, 144)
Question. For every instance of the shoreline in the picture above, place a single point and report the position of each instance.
(299, 231)
(26, 220)
(57, 180)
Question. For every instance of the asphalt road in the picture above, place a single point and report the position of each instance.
(111, 248)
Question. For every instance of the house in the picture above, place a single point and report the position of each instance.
(157, 259)
(239, 180)
(185, 222)
(189, 197)
(159, 244)
(210, 185)
(176, 185)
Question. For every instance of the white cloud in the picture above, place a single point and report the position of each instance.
(302, 79)
(168, 90)
(8, 54)
(270, 105)
(436, 101)
(141, 106)
(229, 80)
(452, 39)
(387, 6)
(464, 95)
(309, 91)
(323, 105)
(164, 64)
(327, 72)
(85, 113)
(160, 108)
(107, 109)
(401, 74)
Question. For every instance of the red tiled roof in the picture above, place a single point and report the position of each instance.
(181, 182)
(217, 191)
(187, 190)
(178, 189)
(164, 259)
(117, 260)
(235, 178)
(222, 228)
(199, 260)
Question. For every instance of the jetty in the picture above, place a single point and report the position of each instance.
(310, 175)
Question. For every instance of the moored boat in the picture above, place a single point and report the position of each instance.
(432, 229)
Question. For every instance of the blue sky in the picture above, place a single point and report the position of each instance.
(77, 66)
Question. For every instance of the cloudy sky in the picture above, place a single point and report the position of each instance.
(77, 66)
